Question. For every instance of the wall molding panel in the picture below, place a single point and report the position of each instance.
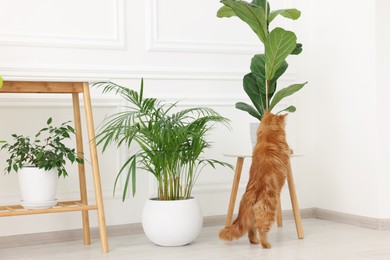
(156, 43)
(42, 100)
(93, 74)
(15, 72)
(116, 41)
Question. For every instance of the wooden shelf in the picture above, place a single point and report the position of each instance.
(41, 87)
(74, 89)
(62, 206)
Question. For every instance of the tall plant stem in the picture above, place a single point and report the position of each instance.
(266, 94)
(266, 81)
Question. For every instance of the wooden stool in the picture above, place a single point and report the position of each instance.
(291, 187)
(73, 88)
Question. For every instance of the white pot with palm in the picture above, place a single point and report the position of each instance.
(172, 222)
(169, 147)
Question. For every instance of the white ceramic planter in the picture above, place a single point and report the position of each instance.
(172, 223)
(38, 187)
(253, 133)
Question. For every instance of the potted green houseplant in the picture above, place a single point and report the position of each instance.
(169, 144)
(261, 83)
(39, 163)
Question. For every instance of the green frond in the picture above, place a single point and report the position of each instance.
(169, 142)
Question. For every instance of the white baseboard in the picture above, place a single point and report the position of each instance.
(128, 229)
(356, 220)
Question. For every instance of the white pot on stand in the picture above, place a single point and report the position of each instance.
(253, 133)
(172, 222)
(38, 187)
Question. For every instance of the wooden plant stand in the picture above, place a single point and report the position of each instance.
(291, 187)
(73, 88)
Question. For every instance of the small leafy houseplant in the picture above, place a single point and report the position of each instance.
(47, 151)
(261, 83)
(171, 143)
(39, 163)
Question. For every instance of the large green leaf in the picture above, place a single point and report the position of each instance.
(261, 3)
(278, 45)
(258, 65)
(1, 82)
(297, 50)
(253, 91)
(258, 69)
(225, 11)
(279, 72)
(285, 92)
(248, 108)
(293, 14)
(253, 15)
(290, 109)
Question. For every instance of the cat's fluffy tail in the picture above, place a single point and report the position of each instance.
(232, 232)
(243, 221)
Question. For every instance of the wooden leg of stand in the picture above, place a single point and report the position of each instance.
(279, 217)
(233, 195)
(81, 167)
(294, 202)
(95, 168)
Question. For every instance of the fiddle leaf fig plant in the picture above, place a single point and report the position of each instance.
(46, 151)
(261, 83)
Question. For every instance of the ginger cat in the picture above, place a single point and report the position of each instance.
(268, 172)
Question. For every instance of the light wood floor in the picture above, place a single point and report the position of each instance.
(324, 240)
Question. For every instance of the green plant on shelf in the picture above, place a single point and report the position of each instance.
(46, 151)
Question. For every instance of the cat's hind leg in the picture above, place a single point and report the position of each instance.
(265, 214)
(252, 236)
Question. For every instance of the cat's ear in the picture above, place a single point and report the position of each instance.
(283, 116)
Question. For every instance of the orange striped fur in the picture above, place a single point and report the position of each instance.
(268, 171)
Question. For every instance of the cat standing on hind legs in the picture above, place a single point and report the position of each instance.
(267, 175)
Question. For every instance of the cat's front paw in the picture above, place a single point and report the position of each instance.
(266, 245)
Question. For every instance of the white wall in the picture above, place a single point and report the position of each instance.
(185, 53)
(383, 91)
(349, 123)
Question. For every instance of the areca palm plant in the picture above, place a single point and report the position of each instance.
(170, 143)
(261, 83)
